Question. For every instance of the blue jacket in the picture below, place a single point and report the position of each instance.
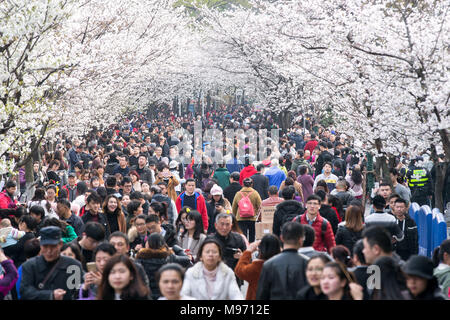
(235, 165)
(276, 176)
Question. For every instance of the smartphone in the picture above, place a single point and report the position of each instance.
(91, 267)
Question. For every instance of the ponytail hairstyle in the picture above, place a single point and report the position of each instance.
(438, 253)
(161, 209)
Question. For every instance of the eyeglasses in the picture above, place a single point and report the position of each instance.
(140, 224)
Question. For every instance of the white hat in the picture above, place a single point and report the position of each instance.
(173, 164)
(216, 190)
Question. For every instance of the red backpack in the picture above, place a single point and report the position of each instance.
(246, 207)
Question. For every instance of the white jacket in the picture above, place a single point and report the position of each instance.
(226, 287)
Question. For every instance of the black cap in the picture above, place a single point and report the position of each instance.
(50, 235)
(420, 266)
(72, 174)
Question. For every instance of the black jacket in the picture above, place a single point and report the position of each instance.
(347, 237)
(36, 269)
(15, 252)
(171, 234)
(285, 212)
(261, 184)
(88, 216)
(231, 191)
(324, 156)
(410, 243)
(328, 213)
(152, 260)
(307, 293)
(282, 276)
(233, 240)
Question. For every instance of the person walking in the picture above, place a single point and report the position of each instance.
(245, 207)
(250, 270)
(283, 275)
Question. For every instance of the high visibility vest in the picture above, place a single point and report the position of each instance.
(418, 178)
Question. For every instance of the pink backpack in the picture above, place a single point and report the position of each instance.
(246, 207)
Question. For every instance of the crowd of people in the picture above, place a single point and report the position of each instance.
(123, 214)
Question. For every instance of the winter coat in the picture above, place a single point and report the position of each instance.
(328, 213)
(9, 278)
(247, 172)
(171, 184)
(442, 274)
(347, 237)
(261, 184)
(276, 176)
(171, 234)
(410, 244)
(230, 191)
(255, 199)
(225, 285)
(222, 176)
(307, 183)
(282, 276)
(16, 252)
(232, 240)
(88, 216)
(183, 240)
(285, 212)
(325, 243)
(153, 259)
(6, 202)
(36, 269)
(121, 221)
(249, 270)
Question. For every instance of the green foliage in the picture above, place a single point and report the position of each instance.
(193, 5)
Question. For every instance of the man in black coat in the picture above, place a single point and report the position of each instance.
(283, 275)
(261, 182)
(287, 210)
(410, 244)
(233, 188)
(233, 244)
(51, 276)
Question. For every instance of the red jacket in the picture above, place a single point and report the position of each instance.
(6, 202)
(321, 244)
(246, 173)
(310, 145)
(201, 207)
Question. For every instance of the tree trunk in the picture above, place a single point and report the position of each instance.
(285, 120)
(441, 169)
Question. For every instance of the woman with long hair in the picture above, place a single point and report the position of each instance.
(121, 281)
(113, 212)
(350, 230)
(314, 270)
(355, 179)
(339, 284)
(193, 236)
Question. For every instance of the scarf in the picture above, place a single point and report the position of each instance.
(210, 278)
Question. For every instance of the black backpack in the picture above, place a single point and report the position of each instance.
(324, 224)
